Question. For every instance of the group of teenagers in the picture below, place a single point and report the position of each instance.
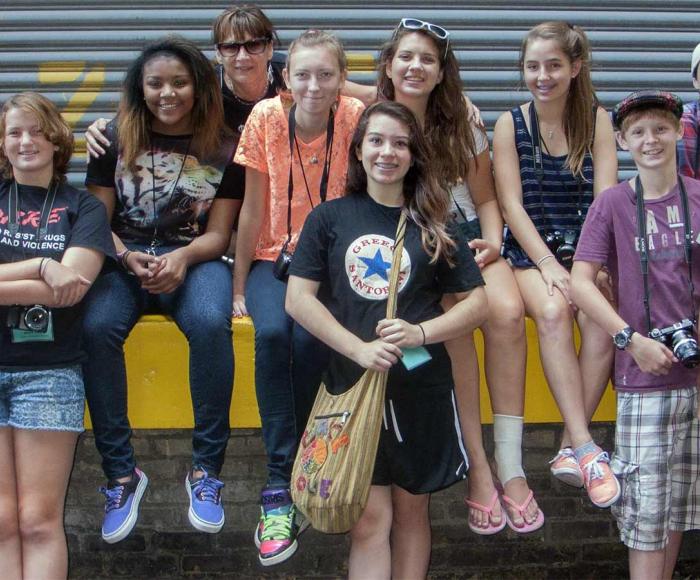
(312, 173)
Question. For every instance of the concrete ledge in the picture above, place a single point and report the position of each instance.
(157, 369)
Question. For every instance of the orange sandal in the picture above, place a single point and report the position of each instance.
(492, 528)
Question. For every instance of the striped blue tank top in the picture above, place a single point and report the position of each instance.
(552, 199)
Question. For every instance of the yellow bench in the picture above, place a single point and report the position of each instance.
(157, 367)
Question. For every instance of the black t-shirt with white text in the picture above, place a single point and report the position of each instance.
(77, 219)
(346, 245)
(176, 200)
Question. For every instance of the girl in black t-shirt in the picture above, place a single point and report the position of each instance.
(166, 183)
(347, 262)
(53, 239)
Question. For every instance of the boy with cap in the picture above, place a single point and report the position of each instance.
(655, 270)
(688, 147)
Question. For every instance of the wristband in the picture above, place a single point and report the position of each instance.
(122, 256)
(43, 265)
(543, 259)
(423, 333)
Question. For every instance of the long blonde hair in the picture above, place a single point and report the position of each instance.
(581, 102)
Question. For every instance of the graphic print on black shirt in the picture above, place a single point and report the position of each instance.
(77, 219)
(346, 245)
(179, 207)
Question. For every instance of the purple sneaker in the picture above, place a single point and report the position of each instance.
(206, 513)
(122, 506)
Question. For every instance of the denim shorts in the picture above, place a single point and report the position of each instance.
(657, 448)
(47, 400)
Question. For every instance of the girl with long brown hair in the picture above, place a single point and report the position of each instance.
(338, 289)
(418, 68)
(551, 156)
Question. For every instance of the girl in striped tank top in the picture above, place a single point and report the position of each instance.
(551, 156)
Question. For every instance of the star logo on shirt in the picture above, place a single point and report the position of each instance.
(368, 265)
(376, 265)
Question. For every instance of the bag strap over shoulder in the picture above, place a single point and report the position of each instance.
(396, 267)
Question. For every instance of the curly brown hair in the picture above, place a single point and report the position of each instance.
(53, 126)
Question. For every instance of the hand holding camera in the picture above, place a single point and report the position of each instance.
(68, 286)
(650, 355)
(143, 266)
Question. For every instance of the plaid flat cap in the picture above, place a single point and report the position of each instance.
(645, 100)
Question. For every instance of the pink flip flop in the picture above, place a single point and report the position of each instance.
(525, 528)
(492, 528)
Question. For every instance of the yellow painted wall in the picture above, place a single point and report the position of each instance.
(159, 398)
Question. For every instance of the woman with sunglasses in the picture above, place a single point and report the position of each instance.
(551, 157)
(418, 68)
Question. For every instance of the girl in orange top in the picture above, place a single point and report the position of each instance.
(296, 156)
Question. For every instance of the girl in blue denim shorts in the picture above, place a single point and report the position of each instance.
(53, 239)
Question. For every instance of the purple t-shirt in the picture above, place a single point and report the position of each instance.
(609, 237)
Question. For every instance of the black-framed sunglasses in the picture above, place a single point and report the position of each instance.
(252, 46)
(433, 29)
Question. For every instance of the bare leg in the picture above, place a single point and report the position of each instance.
(410, 535)
(10, 546)
(370, 550)
(41, 500)
(505, 360)
(595, 359)
(646, 565)
(675, 539)
(465, 372)
(554, 321)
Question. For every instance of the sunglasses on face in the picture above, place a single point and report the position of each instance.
(434, 30)
(252, 46)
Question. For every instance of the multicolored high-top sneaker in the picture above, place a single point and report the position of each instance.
(280, 524)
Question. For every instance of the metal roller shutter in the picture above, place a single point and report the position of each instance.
(76, 53)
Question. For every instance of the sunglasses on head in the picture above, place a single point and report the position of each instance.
(433, 29)
(252, 46)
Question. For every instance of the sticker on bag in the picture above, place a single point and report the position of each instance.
(326, 437)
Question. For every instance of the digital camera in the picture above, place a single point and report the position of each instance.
(562, 244)
(679, 338)
(32, 318)
(280, 268)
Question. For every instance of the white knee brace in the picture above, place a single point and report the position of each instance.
(508, 437)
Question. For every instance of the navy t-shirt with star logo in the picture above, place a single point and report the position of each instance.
(347, 245)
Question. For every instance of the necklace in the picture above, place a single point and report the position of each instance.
(156, 215)
(242, 101)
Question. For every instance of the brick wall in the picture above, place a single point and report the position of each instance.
(577, 541)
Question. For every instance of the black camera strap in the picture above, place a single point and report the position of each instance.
(644, 252)
(13, 212)
(538, 166)
(323, 186)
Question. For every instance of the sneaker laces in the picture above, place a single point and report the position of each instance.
(207, 489)
(593, 469)
(277, 526)
(113, 496)
(564, 453)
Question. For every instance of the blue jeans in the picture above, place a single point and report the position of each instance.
(288, 366)
(201, 308)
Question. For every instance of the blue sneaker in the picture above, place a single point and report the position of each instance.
(122, 506)
(206, 513)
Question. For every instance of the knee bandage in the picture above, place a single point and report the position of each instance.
(508, 439)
